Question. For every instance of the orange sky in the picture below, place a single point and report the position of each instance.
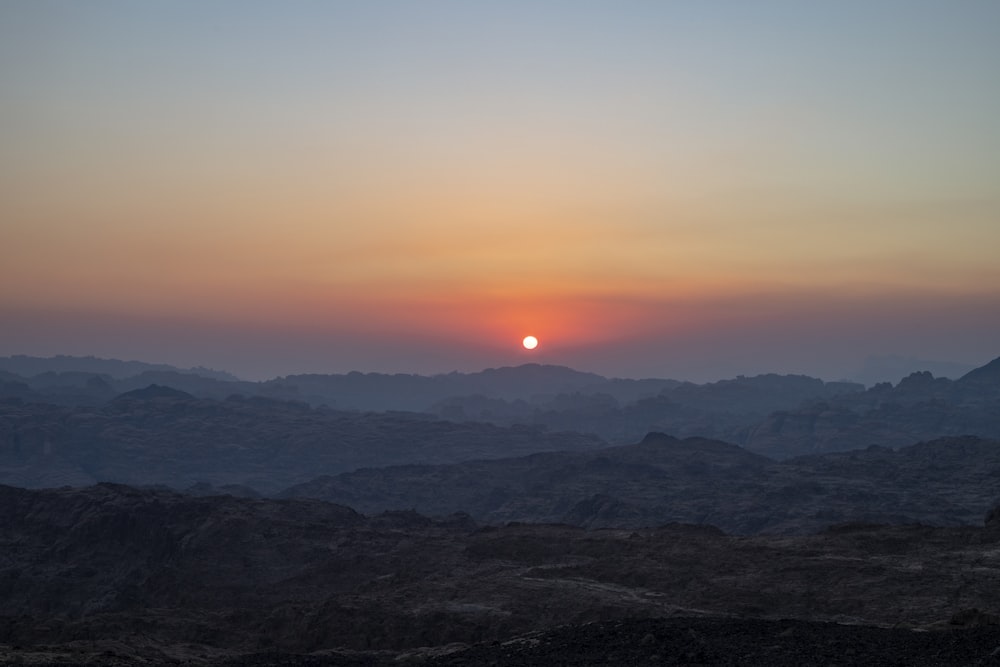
(384, 188)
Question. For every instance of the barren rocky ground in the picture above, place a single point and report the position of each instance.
(114, 575)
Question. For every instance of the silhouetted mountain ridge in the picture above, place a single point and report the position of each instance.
(988, 373)
(893, 367)
(779, 416)
(920, 407)
(722, 410)
(380, 391)
(29, 366)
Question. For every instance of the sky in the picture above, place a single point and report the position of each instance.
(691, 190)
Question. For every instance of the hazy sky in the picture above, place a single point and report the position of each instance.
(675, 189)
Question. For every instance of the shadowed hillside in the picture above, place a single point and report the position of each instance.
(160, 435)
(920, 407)
(781, 416)
(722, 410)
(116, 575)
(951, 481)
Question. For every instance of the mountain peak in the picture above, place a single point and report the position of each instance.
(987, 373)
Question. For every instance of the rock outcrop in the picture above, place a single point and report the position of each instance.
(115, 575)
(160, 435)
(920, 407)
(949, 481)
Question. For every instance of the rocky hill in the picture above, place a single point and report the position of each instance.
(113, 575)
(920, 407)
(551, 397)
(256, 446)
(160, 435)
(723, 410)
(780, 416)
(949, 481)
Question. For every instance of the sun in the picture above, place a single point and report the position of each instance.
(529, 342)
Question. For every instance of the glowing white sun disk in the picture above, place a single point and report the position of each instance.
(529, 342)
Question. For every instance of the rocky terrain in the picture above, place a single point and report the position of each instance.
(780, 416)
(949, 481)
(849, 530)
(736, 642)
(114, 575)
(551, 397)
(724, 410)
(253, 446)
(160, 435)
(920, 407)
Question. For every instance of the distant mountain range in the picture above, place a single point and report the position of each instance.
(28, 366)
(569, 455)
(893, 368)
(91, 381)
(722, 410)
(551, 397)
(920, 407)
(160, 435)
(777, 415)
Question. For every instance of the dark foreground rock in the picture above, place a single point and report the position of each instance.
(736, 642)
(115, 575)
(689, 641)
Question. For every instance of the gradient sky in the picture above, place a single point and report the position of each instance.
(672, 189)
